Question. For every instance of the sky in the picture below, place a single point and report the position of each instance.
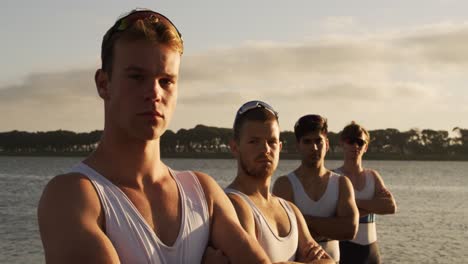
(384, 64)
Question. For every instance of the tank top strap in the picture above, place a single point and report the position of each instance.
(192, 191)
(296, 185)
(291, 214)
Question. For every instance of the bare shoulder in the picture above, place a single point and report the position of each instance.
(283, 188)
(207, 182)
(296, 210)
(66, 191)
(376, 174)
(345, 182)
(239, 202)
(216, 198)
(378, 178)
(70, 221)
(244, 213)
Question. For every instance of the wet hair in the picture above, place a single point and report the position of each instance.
(310, 124)
(257, 114)
(354, 130)
(154, 28)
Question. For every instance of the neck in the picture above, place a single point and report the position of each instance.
(127, 160)
(352, 166)
(252, 186)
(317, 171)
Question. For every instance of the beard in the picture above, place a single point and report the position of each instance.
(257, 171)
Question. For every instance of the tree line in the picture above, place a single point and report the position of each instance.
(205, 141)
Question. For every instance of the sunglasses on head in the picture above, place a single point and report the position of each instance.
(310, 119)
(126, 20)
(252, 105)
(359, 141)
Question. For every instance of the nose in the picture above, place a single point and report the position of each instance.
(265, 147)
(315, 147)
(153, 91)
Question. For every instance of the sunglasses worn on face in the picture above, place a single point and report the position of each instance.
(252, 105)
(359, 141)
(126, 20)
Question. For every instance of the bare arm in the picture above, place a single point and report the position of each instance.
(282, 188)
(308, 251)
(244, 214)
(226, 233)
(383, 201)
(69, 215)
(343, 226)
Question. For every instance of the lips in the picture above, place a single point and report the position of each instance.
(264, 160)
(153, 114)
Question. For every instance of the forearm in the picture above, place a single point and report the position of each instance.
(384, 205)
(339, 227)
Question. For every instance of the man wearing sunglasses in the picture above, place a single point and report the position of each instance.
(276, 224)
(372, 197)
(122, 203)
(325, 199)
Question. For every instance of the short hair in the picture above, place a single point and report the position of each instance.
(310, 124)
(139, 24)
(354, 130)
(261, 112)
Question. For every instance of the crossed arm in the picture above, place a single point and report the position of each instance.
(227, 235)
(308, 250)
(70, 218)
(383, 201)
(343, 226)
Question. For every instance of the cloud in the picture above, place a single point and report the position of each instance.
(338, 23)
(385, 72)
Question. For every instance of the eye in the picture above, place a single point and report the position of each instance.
(166, 82)
(252, 141)
(136, 76)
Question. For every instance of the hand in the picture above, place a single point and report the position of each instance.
(315, 252)
(214, 256)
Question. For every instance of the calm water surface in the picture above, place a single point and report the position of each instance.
(431, 225)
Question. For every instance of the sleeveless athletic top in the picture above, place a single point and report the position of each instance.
(277, 248)
(134, 240)
(367, 233)
(324, 207)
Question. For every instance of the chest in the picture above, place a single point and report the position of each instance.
(160, 207)
(276, 218)
(315, 190)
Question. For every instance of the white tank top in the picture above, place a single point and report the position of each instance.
(324, 207)
(367, 232)
(134, 240)
(277, 248)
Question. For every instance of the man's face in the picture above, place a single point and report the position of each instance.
(313, 147)
(141, 95)
(354, 147)
(258, 148)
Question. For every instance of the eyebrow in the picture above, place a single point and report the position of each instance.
(140, 69)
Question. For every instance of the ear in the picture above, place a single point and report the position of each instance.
(327, 142)
(234, 147)
(101, 79)
(280, 146)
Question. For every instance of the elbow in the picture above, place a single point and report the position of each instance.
(351, 231)
(393, 209)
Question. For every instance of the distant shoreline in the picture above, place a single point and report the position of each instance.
(227, 155)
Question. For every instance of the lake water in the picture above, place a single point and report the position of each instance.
(431, 225)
